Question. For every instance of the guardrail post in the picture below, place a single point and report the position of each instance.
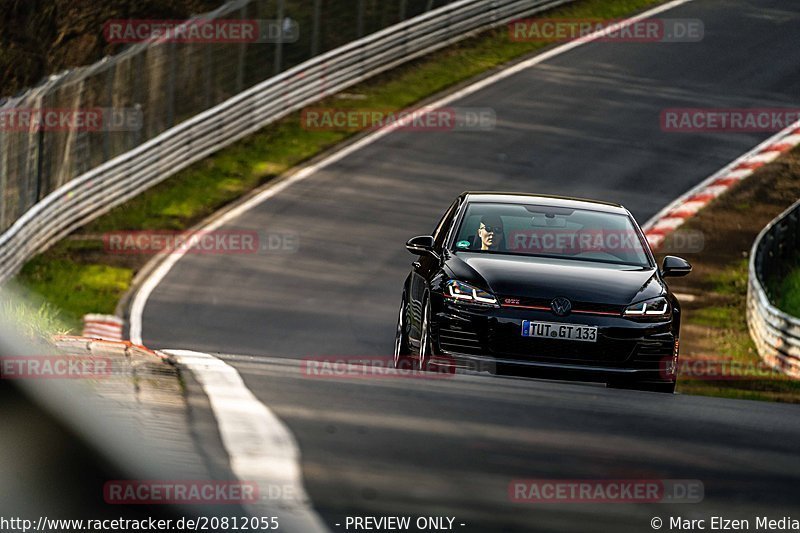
(106, 133)
(138, 97)
(315, 31)
(241, 56)
(279, 45)
(23, 177)
(208, 70)
(39, 163)
(171, 85)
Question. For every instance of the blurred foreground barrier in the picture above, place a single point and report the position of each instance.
(43, 214)
(776, 334)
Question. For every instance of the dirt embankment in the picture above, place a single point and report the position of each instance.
(42, 37)
(714, 326)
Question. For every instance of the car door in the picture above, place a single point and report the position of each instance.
(423, 269)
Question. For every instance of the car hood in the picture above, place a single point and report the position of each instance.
(536, 277)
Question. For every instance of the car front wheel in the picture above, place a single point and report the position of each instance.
(426, 343)
(402, 352)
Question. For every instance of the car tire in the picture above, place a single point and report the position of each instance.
(402, 351)
(425, 341)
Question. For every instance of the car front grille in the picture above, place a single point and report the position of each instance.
(457, 339)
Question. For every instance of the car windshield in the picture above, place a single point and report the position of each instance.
(547, 231)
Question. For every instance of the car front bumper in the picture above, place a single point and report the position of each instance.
(490, 339)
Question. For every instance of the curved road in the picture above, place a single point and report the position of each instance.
(584, 123)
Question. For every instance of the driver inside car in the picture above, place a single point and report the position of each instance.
(490, 233)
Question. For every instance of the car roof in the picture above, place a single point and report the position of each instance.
(543, 199)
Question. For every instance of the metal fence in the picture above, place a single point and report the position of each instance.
(775, 333)
(166, 82)
(196, 99)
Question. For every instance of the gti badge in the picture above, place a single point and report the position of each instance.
(561, 306)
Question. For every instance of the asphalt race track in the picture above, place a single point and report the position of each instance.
(451, 446)
(585, 123)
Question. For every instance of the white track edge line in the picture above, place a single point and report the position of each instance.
(260, 447)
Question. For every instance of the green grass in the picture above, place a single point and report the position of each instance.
(80, 279)
(728, 322)
(787, 293)
(732, 281)
(730, 315)
(35, 321)
(76, 288)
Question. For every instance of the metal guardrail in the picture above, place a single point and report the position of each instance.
(775, 333)
(118, 180)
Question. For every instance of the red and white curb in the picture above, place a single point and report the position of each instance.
(105, 327)
(685, 207)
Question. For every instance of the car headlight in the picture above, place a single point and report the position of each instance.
(653, 308)
(461, 292)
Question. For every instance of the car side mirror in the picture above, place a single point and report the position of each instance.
(675, 267)
(421, 245)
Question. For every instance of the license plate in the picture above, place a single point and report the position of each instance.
(550, 330)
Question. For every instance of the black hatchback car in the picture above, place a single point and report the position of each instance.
(544, 286)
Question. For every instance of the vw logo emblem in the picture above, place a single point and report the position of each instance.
(561, 306)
